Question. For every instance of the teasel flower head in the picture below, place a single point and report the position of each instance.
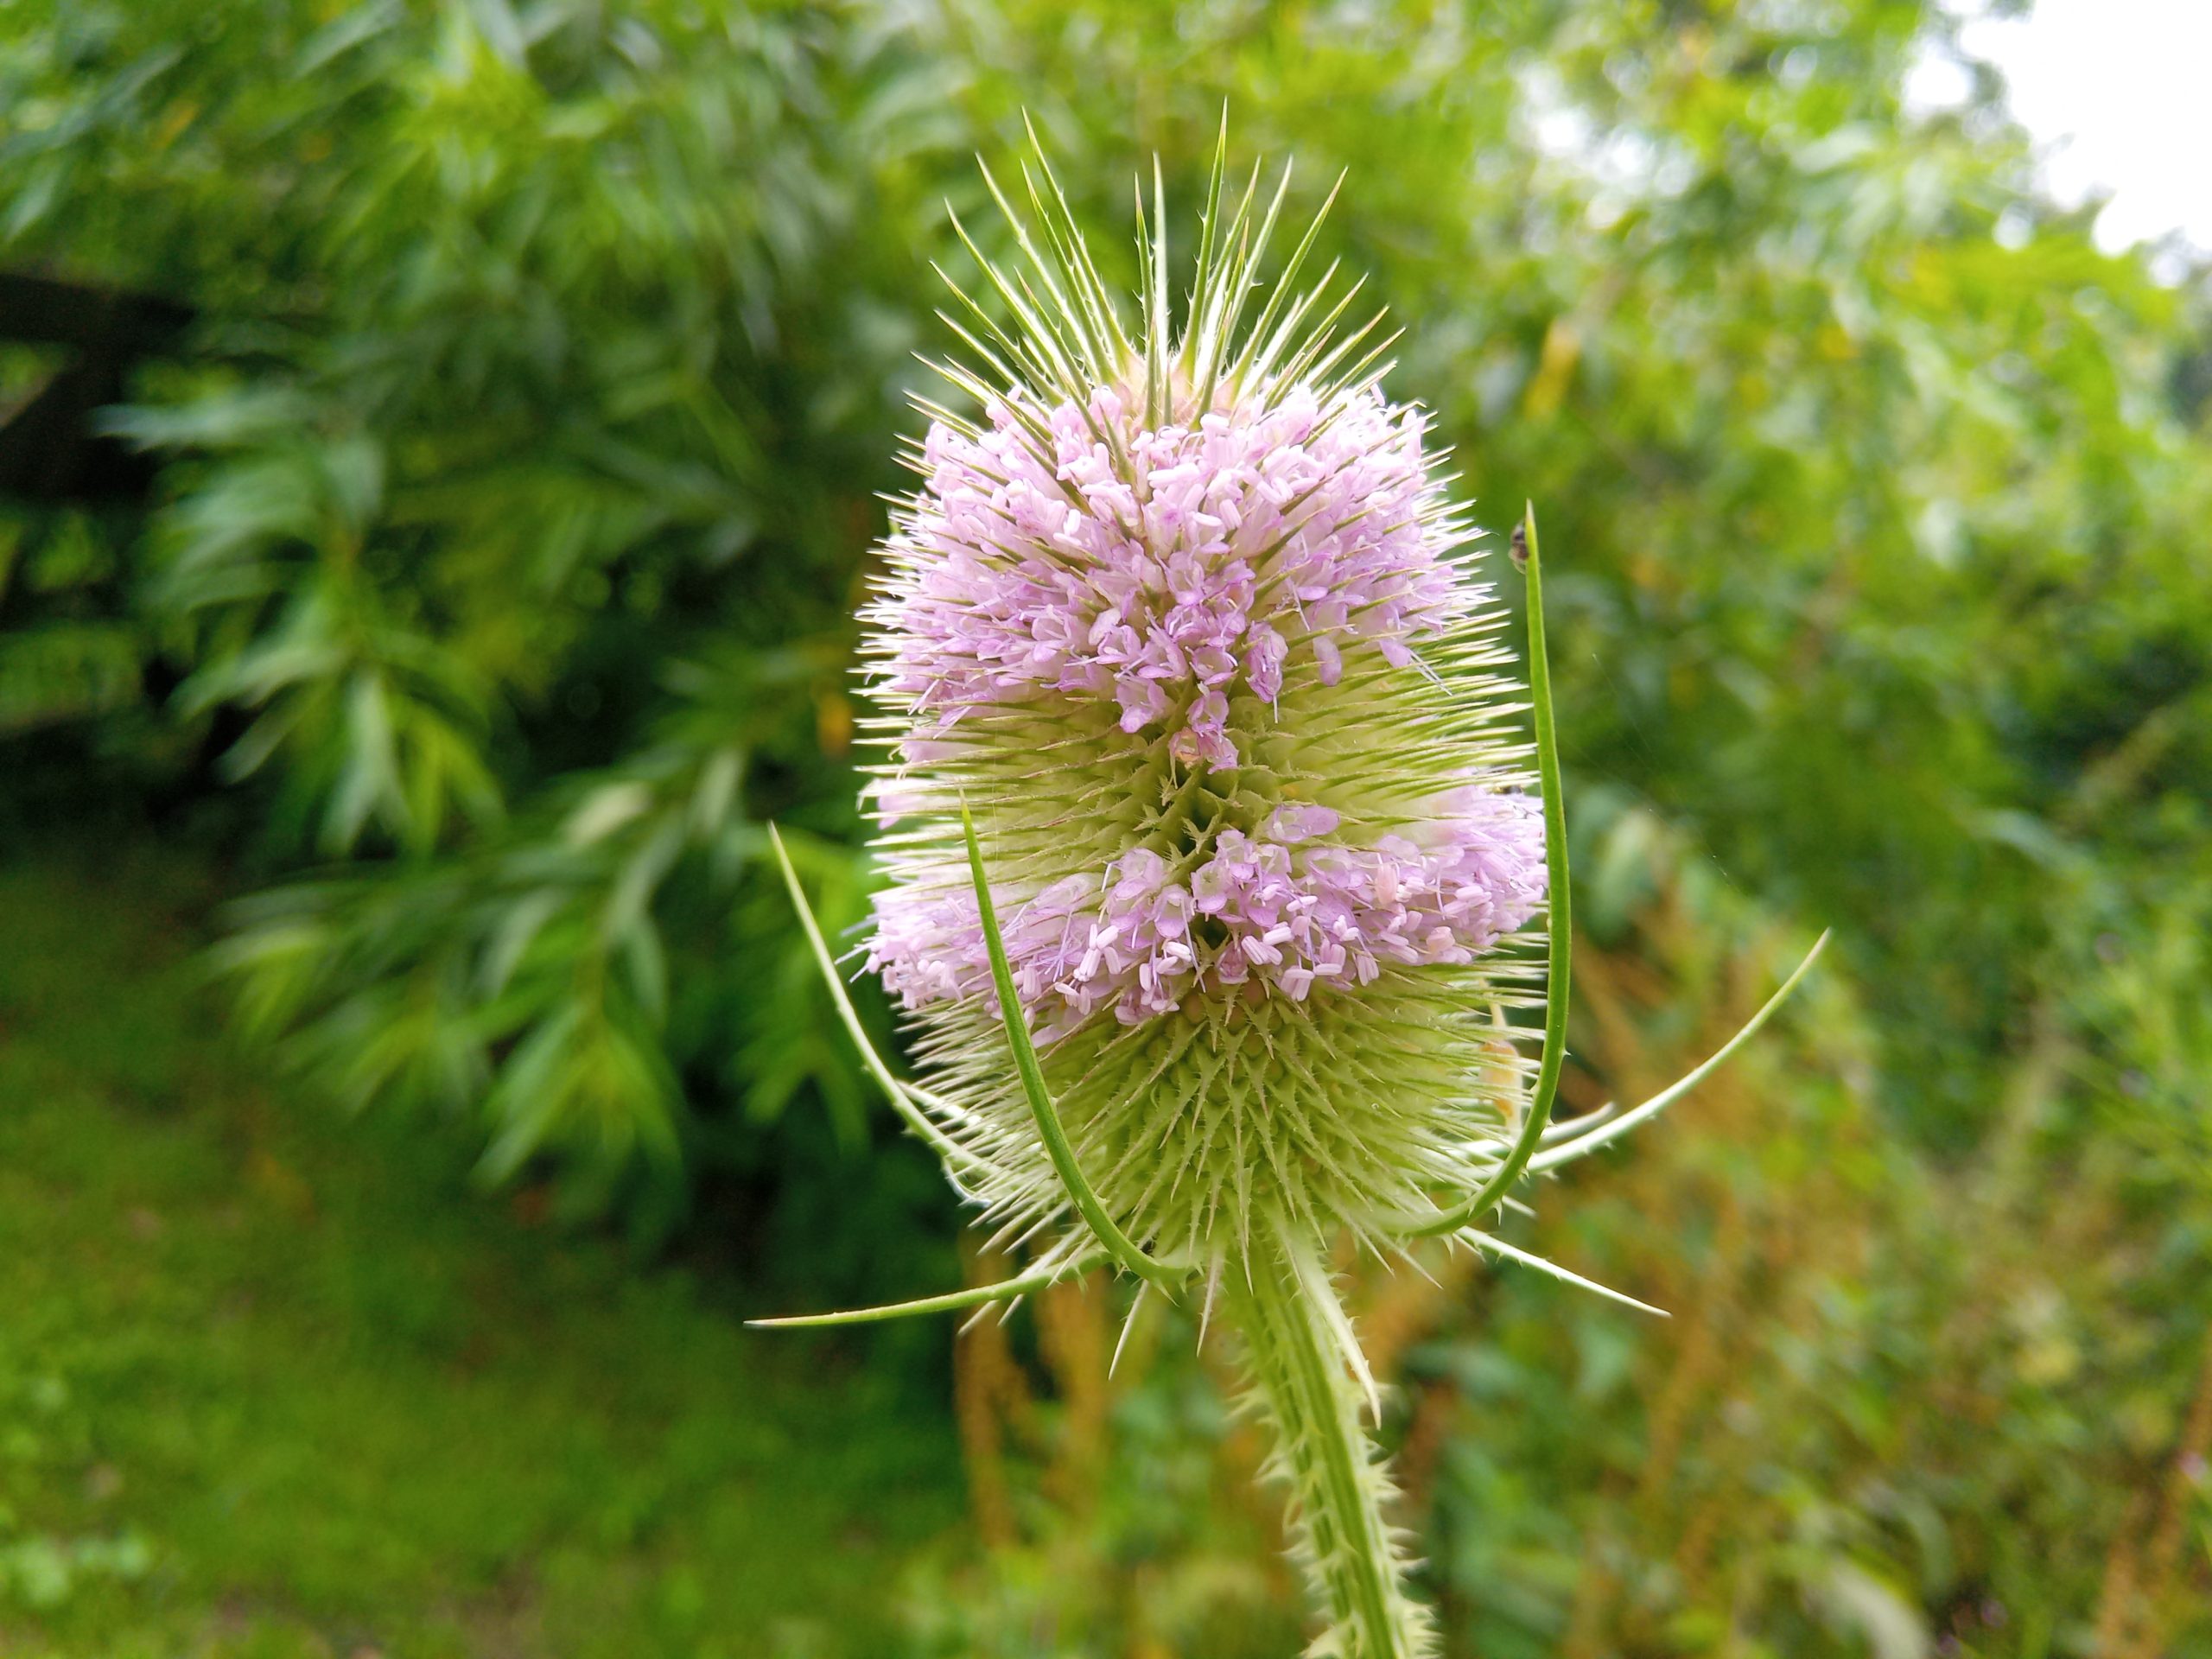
(1215, 846)
(1193, 631)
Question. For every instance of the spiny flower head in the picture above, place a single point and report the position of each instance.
(1203, 822)
(1190, 625)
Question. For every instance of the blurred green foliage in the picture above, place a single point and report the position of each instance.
(517, 493)
(272, 1388)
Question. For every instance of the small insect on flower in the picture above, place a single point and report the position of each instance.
(1214, 841)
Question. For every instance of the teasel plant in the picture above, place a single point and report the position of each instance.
(1228, 902)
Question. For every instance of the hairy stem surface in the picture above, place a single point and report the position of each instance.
(1297, 1345)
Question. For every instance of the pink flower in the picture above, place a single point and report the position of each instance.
(1026, 574)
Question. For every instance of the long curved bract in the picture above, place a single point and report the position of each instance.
(1559, 924)
(1118, 1244)
(902, 1099)
(950, 1302)
(1614, 1125)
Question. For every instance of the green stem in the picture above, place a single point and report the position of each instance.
(1338, 1486)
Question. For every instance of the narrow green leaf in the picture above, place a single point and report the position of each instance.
(950, 1302)
(1558, 926)
(902, 1101)
(1057, 1146)
(1613, 1128)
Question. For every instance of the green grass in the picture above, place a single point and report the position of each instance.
(277, 1383)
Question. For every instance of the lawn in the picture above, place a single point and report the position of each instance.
(274, 1382)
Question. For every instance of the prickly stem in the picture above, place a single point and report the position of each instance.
(1354, 1559)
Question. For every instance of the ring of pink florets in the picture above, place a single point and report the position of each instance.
(1263, 531)
(1290, 911)
(1256, 527)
